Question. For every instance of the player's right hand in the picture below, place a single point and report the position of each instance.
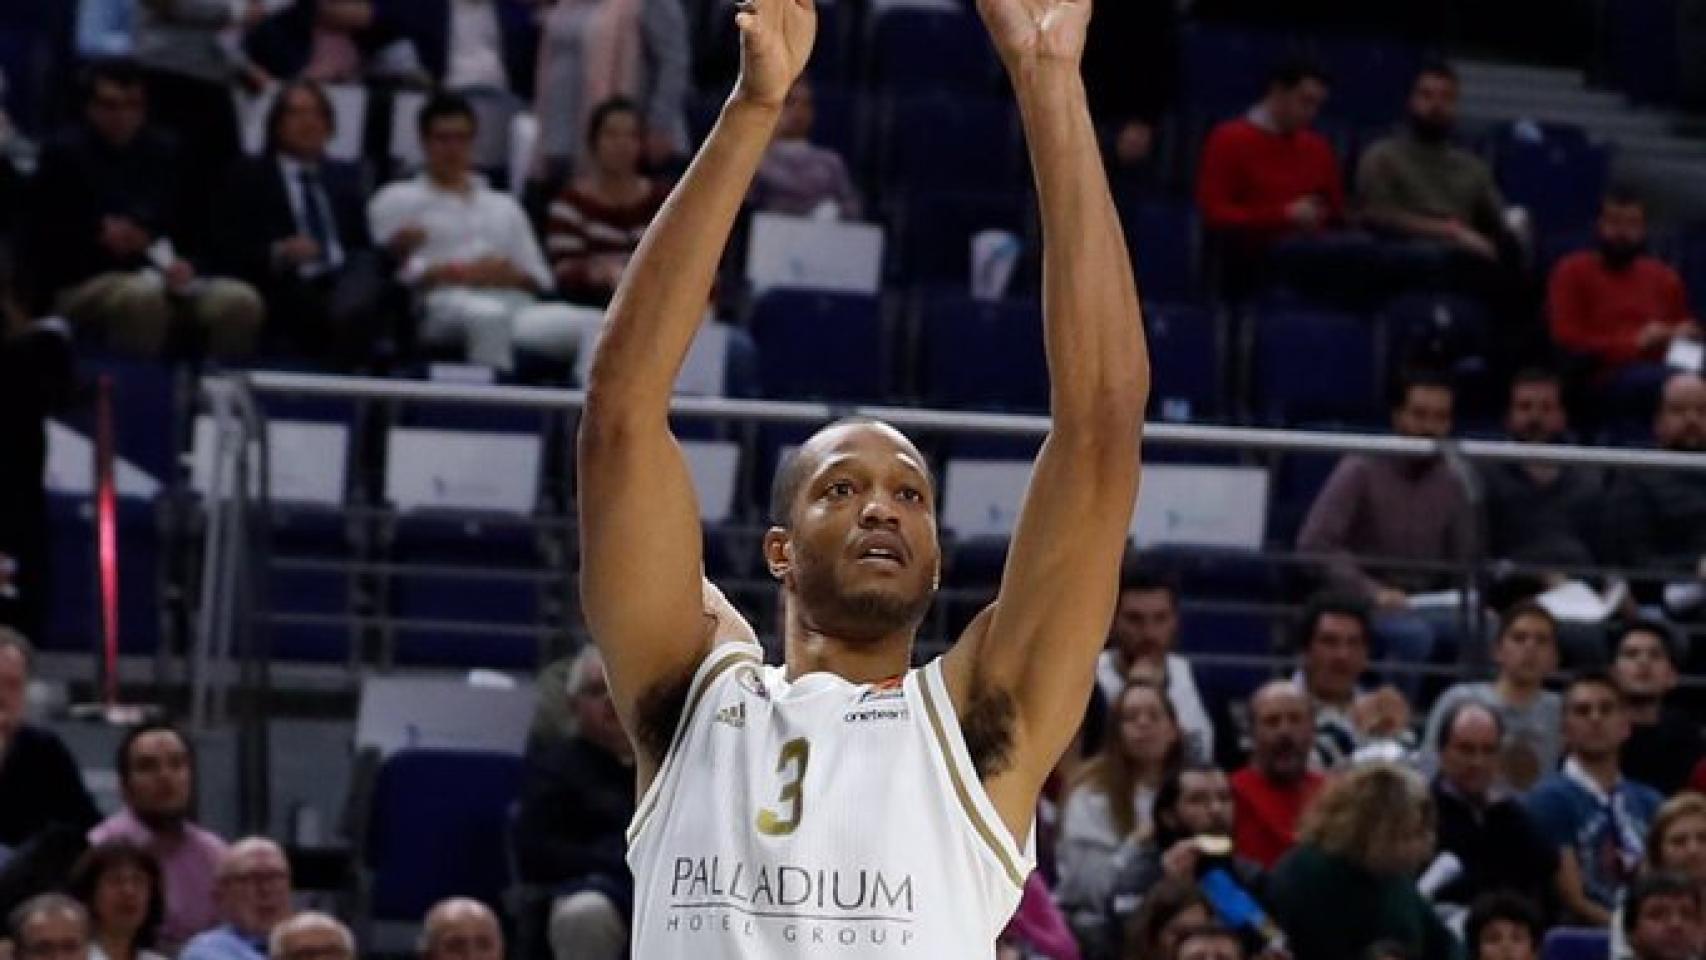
(775, 42)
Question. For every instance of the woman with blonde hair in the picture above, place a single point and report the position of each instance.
(1349, 882)
(1110, 804)
(1676, 843)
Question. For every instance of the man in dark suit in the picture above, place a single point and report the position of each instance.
(294, 225)
(470, 44)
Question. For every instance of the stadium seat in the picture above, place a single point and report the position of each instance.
(1576, 943)
(302, 601)
(1371, 77)
(74, 605)
(1554, 172)
(1184, 348)
(1297, 482)
(437, 829)
(1225, 69)
(827, 346)
(1163, 238)
(1314, 365)
(468, 591)
(144, 408)
(979, 354)
(918, 49)
(1641, 52)
(935, 231)
(944, 141)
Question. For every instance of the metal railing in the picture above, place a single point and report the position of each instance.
(231, 618)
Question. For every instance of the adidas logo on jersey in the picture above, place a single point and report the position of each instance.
(734, 716)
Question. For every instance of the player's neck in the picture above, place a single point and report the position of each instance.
(812, 651)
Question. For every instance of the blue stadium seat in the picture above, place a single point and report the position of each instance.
(1314, 365)
(1554, 171)
(915, 49)
(1448, 333)
(938, 140)
(437, 829)
(302, 536)
(1576, 943)
(981, 354)
(816, 345)
(1371, 76)
(1184, 350)
(1225, 69)
(1296, 484)
(74, 612)
(1641, 55)
(463, 620)
(1691, 263)
(1214, 632)
(936, 228)
(146, 425)
(1163, 237)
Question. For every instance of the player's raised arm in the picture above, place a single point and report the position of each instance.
(639, 521)
(1057, 594)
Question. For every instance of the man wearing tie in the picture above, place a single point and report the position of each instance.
(293, 224)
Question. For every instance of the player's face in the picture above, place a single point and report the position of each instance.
(1335, 658)
(864, 555)
(1643, 668)
(1504, 940)
(1683, 847)
(1528, 650)
(1146, 623)
(1536, 413)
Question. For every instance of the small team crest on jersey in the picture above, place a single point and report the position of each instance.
(749, 680)
(890, 689)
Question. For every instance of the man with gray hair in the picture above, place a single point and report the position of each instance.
(254, 893)
(458, 929)
(50, 927)
(577, 799)
(311, 935)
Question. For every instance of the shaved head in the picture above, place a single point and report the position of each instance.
(461, 929)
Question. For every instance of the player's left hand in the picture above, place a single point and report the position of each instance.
(1030, 33)
(776, 39)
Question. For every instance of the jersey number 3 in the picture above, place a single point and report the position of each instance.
(791, 764)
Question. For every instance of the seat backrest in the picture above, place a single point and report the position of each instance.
(1314, 364)
(1576, 943)
(820, 345)
(982, 354)
(437, 829)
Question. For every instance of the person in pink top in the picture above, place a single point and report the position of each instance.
(157, 780)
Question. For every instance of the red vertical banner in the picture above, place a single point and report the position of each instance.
(106, 536)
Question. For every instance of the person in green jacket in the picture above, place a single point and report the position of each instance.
(1350, 881)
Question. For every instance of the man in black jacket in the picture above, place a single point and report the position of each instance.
(1492, 836)
(293, 224)
(106, 220)
(577, 798)
(45, 811)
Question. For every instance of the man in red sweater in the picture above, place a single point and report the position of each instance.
(1267, 175)
(1270, 794)
(1619, 306)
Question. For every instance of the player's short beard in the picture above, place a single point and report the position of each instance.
(854, 616)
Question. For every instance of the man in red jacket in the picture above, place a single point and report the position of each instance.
(1620, 307)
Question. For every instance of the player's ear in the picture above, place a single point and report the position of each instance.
(778, 552)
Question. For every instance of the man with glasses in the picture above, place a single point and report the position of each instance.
(576, 801)
(1595, 817)
(254, 898)
(50, 927)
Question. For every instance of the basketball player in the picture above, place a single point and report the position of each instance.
(843, 805)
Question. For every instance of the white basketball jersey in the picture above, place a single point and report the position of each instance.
(819, 818)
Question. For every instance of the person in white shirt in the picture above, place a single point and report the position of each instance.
(1144, 633)
(469, 252)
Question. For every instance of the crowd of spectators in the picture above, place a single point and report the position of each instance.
(1188, 825)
